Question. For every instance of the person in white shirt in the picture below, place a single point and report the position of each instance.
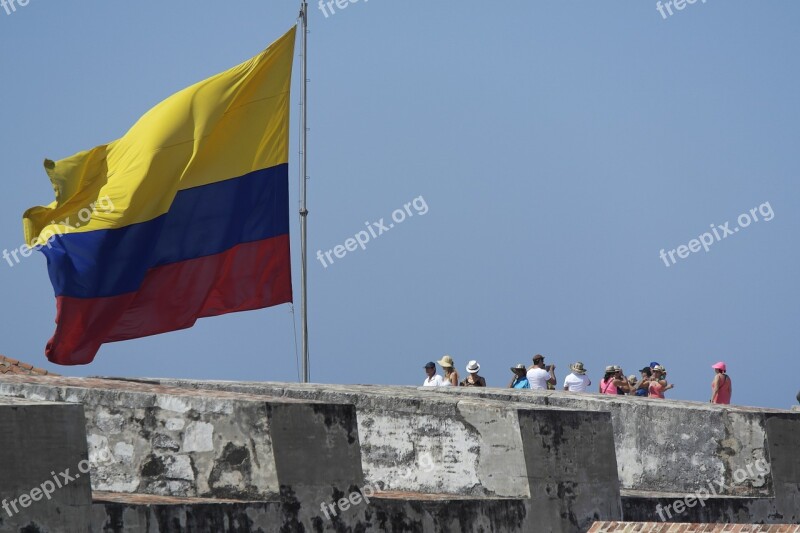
(433, 379)
(539, 376)
(577, 381)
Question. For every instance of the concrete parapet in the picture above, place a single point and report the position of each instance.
(152, 440)
(148, 439)
(671, 446)
(661, 507)
(385, 513)
(661, 445)
(291, 457)
(650, 527)
(783, 436)
(571, 469)
(138, 513)
(44, 481)
(434, 443)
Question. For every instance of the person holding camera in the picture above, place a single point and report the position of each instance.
(642, 387)
(539, 375)
(614, 382)
(658, 385)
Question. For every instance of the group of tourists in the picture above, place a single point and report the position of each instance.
(651, 383)
(450, 378)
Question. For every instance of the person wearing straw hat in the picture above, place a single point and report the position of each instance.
(721, 387)
(473, 379)
(577, 381)
(450, 372)
(520, 380)
(613, 382)
(658, 385)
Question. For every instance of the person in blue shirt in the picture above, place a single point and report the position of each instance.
(641, 388)
(520, 380)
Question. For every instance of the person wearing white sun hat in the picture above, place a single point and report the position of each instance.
(473, 379)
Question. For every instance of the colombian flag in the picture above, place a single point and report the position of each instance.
(200, 219)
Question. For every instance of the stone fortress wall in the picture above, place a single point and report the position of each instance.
(179, 455)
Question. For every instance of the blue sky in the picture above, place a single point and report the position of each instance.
(558, 147)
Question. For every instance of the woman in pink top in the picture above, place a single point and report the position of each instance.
(613, 383)
(658, 385)
(721, 387)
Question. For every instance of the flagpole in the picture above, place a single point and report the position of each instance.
(303, 196)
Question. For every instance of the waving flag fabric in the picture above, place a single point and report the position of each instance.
(184, 217)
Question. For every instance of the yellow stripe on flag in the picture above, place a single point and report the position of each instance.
(224, 127)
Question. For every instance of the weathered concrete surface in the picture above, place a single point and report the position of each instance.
(457, 447)
(152, 440)
(133, 513)
(413, 441)
(40, 441)
(683, 446)
(311, 452)
(783, 435)
(255, 455)
(652, 527)
(157, 440)
(671, 446)
(388, 512)
(730, 509)
(571, 468)
(476, 447)
(498, 467)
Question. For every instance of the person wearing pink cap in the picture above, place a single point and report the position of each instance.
(721, 387)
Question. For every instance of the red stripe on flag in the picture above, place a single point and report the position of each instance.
(172, 297)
